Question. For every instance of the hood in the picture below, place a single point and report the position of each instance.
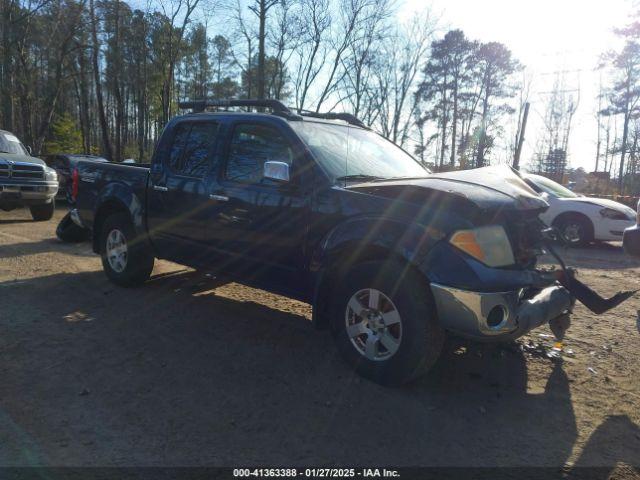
(10, 157)
(488, 188)
(603, 202)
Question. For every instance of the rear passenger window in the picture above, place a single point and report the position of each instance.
(180, 135)
(251, 146)
(190, 149)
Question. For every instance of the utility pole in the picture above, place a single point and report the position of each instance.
(525, 115)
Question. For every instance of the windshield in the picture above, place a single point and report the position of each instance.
(10, 144)
(348, 152)
(551, 187)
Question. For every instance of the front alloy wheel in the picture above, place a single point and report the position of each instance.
(373, 324)
(384, 322)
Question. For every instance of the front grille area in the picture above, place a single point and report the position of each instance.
(525, 234)
(19, 170)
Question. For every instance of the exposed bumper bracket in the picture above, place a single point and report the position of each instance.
(470, 313)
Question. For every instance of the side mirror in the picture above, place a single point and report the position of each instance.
(278, 171)
(29, 149)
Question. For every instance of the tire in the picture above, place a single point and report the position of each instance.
(408, 348)
(117, 236)
(577, 229)
(69, 232)
(44, 212)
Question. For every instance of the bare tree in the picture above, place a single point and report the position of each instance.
(243, 29)
(624, 97)
(284, 39)
(179, 14)
(353, 15)
(315, 20)
(396, 75)
(261, 9)
(561, 107)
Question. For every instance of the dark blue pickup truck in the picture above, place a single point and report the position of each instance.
(326, 211)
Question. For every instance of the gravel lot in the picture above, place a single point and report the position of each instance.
(186, 371)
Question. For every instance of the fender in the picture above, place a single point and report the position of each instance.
(120, 196)
(368, 238)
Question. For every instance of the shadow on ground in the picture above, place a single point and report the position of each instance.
(173, 374)
(46, 245)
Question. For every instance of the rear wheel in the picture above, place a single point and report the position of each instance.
(385, 325)
(44, 212)
(576, 229)
(125, 259)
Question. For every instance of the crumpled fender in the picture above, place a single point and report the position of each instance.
(409, 241)
(363, 237)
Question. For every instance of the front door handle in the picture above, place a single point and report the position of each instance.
(160, 188)
(219, 198)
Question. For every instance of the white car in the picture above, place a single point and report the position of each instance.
(581, 219)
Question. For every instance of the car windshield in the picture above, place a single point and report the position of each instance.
(351, 153)
(551, 187)
(9, 143)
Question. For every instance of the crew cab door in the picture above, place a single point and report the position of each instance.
(178, 190)
(257, 223)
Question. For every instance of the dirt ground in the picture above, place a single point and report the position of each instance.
(185, 371)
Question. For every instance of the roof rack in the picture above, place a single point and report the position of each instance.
(276, 106)
(201, 105)
(346, 117)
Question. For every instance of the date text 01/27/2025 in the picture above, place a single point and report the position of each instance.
(315, 473)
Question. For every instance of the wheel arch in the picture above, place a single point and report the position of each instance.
(108, 207)
(338, 263)
(573, 214)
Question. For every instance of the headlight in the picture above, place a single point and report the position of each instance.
(488, 244)
(614, 214)
(50, 175)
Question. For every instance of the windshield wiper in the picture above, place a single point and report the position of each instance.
(359, 176)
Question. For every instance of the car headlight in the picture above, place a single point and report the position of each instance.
(50, 175)
(614, 214)
(488, 244)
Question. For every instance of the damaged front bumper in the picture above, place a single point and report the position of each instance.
(502, 304)
(499, 315)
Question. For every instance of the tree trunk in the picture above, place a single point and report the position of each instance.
(106, 142)
(454, 125)
(6, 79)
(482, 142)
(261, 37)
(625, 139)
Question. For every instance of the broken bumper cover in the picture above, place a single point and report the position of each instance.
(75, 217)
(499, 315)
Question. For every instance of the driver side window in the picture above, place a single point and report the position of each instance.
(251, 146)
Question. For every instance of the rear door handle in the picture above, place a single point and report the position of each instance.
(160, 188)
(219, 198)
